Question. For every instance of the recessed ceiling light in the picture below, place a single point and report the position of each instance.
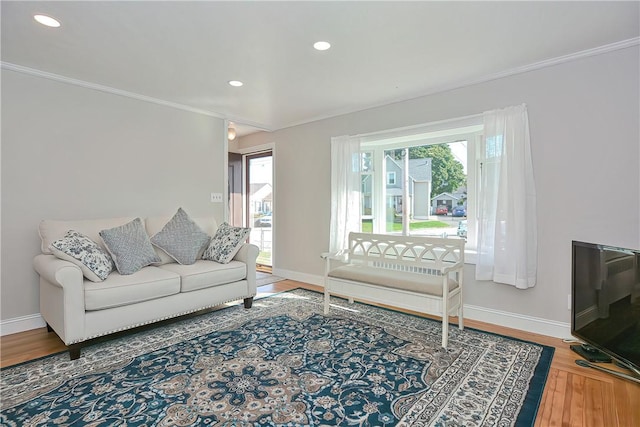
(321, 45)
(47, 20)
(235, 83)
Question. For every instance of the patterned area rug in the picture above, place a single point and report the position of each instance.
(282, 363)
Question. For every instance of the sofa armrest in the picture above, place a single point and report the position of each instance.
(248, 254)
(57, 271)
(61, 296)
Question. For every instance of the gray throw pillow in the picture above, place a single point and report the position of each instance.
(181, 238)
(129, 246)
(226, 243)
(77, 248)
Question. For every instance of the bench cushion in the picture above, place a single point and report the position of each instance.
(415, 282)
(117, 290)
(204, 274)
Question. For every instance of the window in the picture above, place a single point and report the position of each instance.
(391, 178)
(440, 172)
(454, 193)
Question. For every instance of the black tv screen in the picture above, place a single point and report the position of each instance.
(606, 299)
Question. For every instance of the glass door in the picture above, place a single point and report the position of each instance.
(259, 193)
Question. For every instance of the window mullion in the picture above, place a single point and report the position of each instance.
(379, 184)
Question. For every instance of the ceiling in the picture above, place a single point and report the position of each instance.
(184, 53)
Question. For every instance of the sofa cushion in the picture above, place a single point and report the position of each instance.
(155, 224)
(52, 230)
(95, 263)
(181, 238)
(204, 274)
(225, 243)
(129, 246)
(118, 290)
(422, 283)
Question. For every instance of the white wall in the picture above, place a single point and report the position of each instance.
(584, 121)
(74, 153)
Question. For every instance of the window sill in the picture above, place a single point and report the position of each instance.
(470, 256)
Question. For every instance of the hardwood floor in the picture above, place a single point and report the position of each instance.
(573, 395)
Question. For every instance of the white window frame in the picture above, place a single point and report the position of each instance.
(468, 128)
(368, 172)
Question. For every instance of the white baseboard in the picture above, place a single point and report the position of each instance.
(311, 279)
(497, 317)
(35, 321)
(523, 322)
(21, 324)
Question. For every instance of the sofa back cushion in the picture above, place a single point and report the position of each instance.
(130, 247)
(52, 230)
(155, 224)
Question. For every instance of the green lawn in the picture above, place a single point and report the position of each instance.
(367, 225)
(264, 258)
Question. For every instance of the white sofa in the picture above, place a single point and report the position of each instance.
(79, 310)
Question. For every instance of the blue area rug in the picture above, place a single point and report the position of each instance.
(282, 363)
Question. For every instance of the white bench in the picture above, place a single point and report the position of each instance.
(418, 273)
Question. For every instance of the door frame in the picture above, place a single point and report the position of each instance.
(248, 152)
(246, 159)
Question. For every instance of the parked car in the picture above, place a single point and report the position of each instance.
(462, 229)
(459, 211)
(442, 210)
(263, 221)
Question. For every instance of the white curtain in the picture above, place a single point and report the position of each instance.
(507, 231)
(345, 190)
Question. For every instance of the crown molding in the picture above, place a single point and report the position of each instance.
(107, 89)
(623, 44)
(114, 91)
(560, 60)
(489, 77)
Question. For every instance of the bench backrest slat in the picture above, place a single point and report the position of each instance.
(405, 253)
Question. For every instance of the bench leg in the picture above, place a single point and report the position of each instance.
(326, 302)
(460, 301)
(350, 300)
(248, 302)
(445, 331)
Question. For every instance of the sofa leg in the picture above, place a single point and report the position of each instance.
(49, 328)
(248, 302)
(74, 351)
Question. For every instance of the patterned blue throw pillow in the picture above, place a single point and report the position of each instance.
(77, 248)
(181, 238)
(129, 246)
(226, 243)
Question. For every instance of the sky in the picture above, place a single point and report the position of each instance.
(459, 150)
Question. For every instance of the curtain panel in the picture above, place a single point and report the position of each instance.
(507, 223)
(345, 190)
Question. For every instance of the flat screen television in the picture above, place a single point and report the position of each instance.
(606, 300)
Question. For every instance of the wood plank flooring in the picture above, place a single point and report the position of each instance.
(573, 395)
